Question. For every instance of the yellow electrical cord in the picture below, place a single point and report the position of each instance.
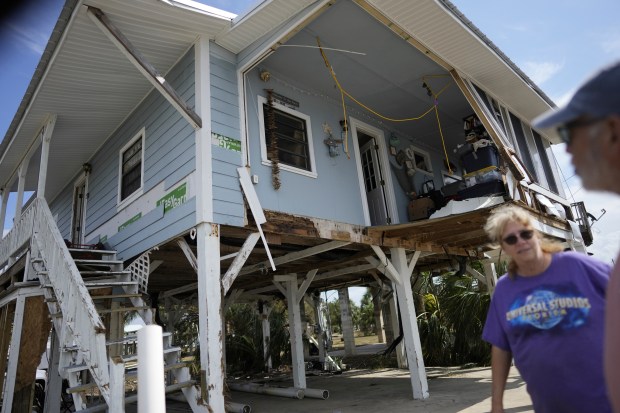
(344, 93)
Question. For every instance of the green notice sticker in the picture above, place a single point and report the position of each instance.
(174, 198)
(225, 142)
(131, 221)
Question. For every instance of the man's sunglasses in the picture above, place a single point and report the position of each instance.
(524, 234)
(565, 131)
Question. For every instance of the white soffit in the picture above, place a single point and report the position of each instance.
(260, 21)
(445, 35)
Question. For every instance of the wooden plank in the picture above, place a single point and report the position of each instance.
(239, 261)
(138, 60)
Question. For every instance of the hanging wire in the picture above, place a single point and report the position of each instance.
(344, 93)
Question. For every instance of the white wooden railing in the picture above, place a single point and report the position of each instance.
(18, 237)
(81, 321)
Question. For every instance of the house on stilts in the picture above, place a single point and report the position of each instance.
(178, 153)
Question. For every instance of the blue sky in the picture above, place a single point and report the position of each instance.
(557, 43)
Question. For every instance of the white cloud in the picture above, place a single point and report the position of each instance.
(540, 72)
(611, 46)
(563, 99)
(35, 40)
(609, 41)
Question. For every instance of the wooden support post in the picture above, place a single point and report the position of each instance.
(264, 316)
(347, 322)
(210, 316)
(7, 314)
(378, 314)
(11, 371)
(401, 354)
(53, 390)
(321, 338)
(117, 385)
(409, 321)
(490, 274)
(292, 302)
(19, 202)
(5, 201)
(46, 136)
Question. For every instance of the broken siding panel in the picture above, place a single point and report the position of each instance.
(228, 206)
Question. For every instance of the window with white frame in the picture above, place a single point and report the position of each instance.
(293, 138)
(131, 169)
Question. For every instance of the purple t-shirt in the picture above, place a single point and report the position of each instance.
(552, 324)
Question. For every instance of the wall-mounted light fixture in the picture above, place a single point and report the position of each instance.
(264, 75)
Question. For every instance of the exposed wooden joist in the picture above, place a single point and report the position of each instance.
(297, 255)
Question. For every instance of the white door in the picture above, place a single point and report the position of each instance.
(374, 183)
(79, 210)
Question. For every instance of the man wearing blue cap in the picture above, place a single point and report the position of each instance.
(589, 124)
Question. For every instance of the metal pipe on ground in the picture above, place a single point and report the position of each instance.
(291, 392)
(316, 393)
(231, 407)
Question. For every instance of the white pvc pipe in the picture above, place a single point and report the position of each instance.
(292, 392)
(316, 393)
(232, 407)
(151, 388)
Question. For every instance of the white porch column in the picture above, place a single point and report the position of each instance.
(264, 315)
(23, 169)
(321, 339)
(297, 349)
(45, 149)
(347, 322)
(378, 314)
(210, 315)
(11, 370)
(5, 201)
(409, 321)
(490, 274)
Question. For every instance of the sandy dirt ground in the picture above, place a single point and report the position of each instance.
(387, 391)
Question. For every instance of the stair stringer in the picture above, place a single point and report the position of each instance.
(79, 319)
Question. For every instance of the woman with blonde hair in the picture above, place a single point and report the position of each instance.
(548, 315)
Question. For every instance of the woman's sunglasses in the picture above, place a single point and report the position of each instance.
(524, 234)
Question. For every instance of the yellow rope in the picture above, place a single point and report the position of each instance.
(344, 93)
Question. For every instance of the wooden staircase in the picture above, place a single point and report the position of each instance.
(115, 296)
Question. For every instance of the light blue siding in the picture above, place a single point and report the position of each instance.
(228, 206)
(63, 208)
(153, 229)
(335, 193)
(169, 156)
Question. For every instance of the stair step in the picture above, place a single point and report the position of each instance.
(134, 357)
(167, 368)
(134, 397)
(102, 252)
(123, 309)
(109, 273)
(101, 284)
(113, 296)
(97, 262)
(76, 368)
